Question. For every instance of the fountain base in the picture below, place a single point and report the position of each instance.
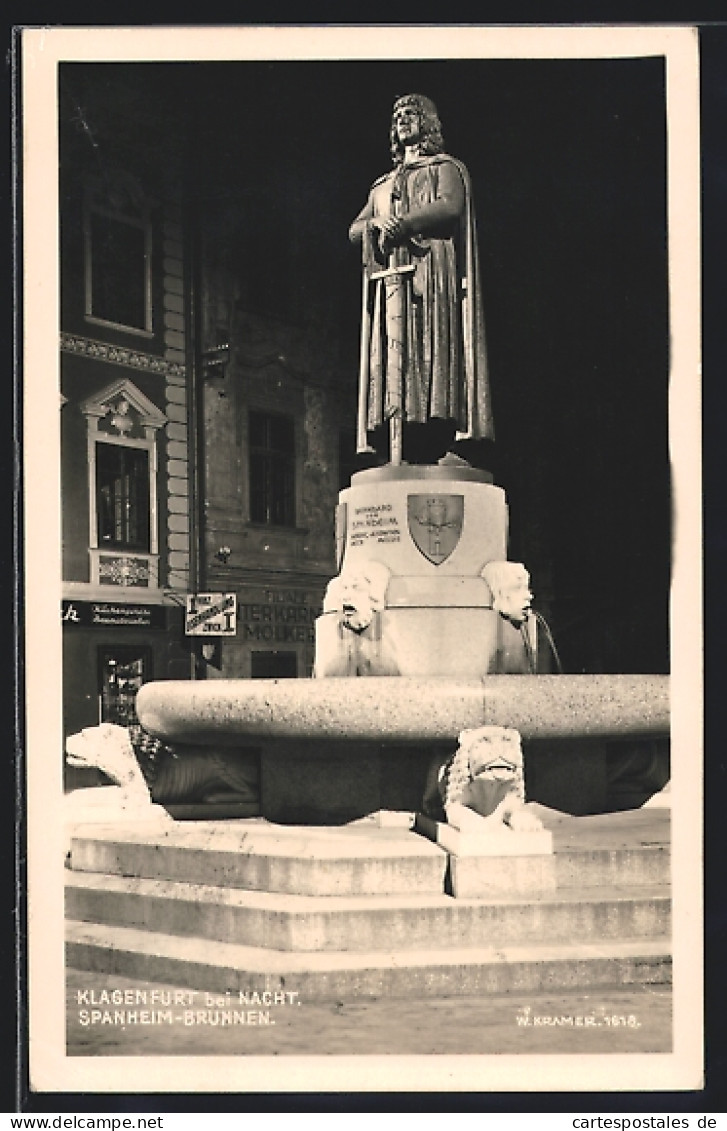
(335, 750)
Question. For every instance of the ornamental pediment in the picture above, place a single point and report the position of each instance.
(121, 409)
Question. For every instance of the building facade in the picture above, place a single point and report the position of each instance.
(126, 442)
(203, 438)
(275, 449)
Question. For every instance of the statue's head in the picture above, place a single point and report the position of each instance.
(362, 593)
(492, 751)
(509, 584)
(430, 128)
(487, 754)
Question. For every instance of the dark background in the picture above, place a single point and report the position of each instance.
(568, 165)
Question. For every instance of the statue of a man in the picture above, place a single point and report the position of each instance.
(423, 361)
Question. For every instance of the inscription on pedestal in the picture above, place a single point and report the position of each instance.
(377, 523)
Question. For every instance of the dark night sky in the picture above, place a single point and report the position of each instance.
(568, 164)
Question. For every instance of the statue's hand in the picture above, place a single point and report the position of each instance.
(392, 232)
(393, 229)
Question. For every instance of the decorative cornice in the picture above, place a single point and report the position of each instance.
(120, 355)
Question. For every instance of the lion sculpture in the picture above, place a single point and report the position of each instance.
(481, 787)
(147, 771)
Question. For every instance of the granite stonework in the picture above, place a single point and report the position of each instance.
(422, 519)
(420, 642)
(334, 750)
(458, 972)
(477, 874)
(337, 782)
(500, 842)
(379, 709)
(260, 856)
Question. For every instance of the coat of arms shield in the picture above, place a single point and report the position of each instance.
(435, 524)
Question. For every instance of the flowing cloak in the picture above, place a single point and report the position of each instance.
(445, 362)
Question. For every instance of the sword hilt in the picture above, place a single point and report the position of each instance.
(408, 269)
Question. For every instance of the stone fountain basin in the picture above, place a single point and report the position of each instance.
(333, 750)
(402, 710)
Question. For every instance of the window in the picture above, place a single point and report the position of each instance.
(123, 537)
(118, 255)
(272, 469)
(273, 665)
(121, 671)
(122, 496)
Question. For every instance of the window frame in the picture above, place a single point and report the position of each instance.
(93, 205)
(272, 454)
(150, 420)
(139, 446)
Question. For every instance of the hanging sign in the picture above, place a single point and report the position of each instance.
(211, 614)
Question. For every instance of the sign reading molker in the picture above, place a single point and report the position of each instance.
(211, 614)
(278, 616)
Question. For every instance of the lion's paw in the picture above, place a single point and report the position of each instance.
(524, 820)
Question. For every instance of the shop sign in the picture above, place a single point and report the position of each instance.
(112, 614)
(211, 614)
(279, 616)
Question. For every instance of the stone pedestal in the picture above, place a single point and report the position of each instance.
(423, 521)
(497, 862)
(413, 541)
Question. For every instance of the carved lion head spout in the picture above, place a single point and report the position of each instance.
(359, 595)
(509, 583)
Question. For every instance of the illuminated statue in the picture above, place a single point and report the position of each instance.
(423, 363)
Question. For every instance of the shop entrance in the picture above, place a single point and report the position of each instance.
(274, 665)
(122, 668)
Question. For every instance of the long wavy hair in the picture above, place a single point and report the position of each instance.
(431, 141)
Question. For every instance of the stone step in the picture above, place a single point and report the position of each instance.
(315, 976)
(259, 857)
(327, 923)
(647, 864)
